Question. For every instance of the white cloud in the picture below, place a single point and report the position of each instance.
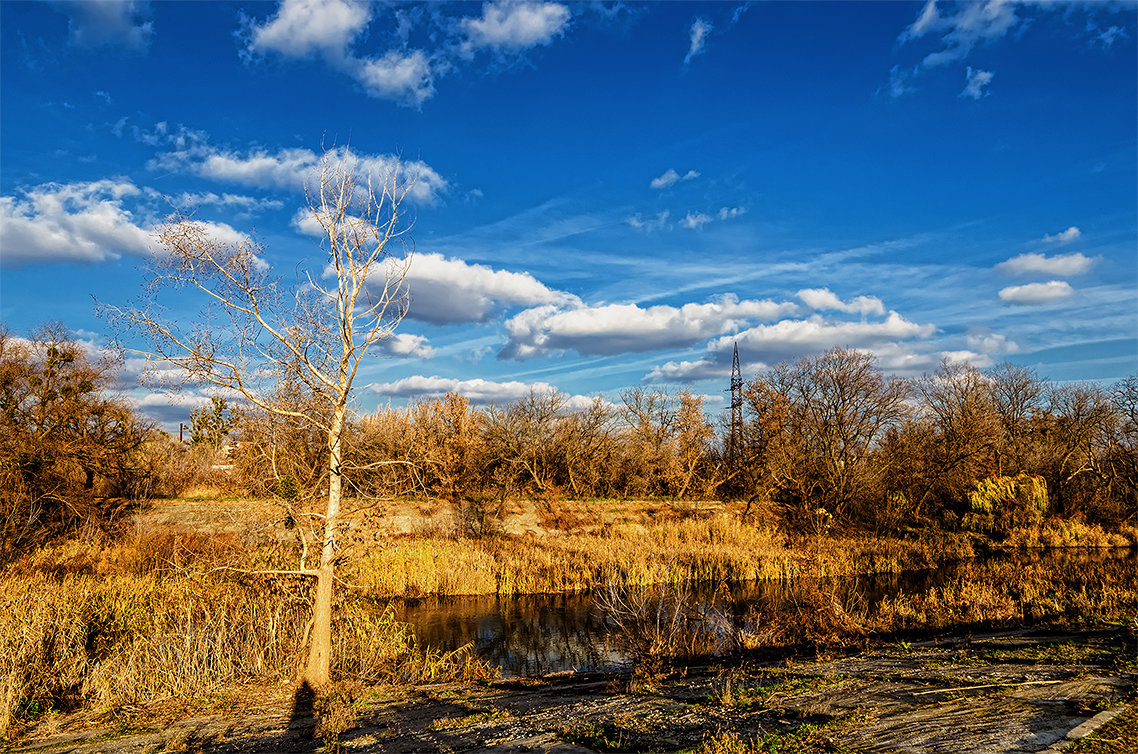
(1060, 264)
(405, 345)
(1108, 37)
(237, 201)
(327, 29)
(700, 28)
(695, 220)
(821, 299)
(82, 222)
(662, 221)
(1066, 236)
(404, 77)
(117, 23)
(900, 82)
(670, 177)
(1036, 293)
(928, 21)
(76, 222)
(690, 371)
(975, 82)
(303, 27)
(294, 169)
(477, 391)
(623, 328)
(726, 213)
(973, 23)
(793, 337)
(984, 341)
(515, 26)
(451, 291)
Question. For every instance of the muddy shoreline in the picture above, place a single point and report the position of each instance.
(1007, 691)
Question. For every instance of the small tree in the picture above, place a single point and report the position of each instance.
(211, 424)
(255, 334)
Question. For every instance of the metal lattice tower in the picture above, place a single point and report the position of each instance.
(735, 434)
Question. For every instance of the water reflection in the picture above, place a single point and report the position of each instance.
(538, 634)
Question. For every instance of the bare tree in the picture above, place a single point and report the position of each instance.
(255, 333)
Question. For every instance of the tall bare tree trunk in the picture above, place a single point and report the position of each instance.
(318, 673)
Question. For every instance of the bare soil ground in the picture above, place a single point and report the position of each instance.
(1008, 692)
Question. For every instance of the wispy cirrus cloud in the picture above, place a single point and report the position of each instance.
(697, 38)
(976, 83)
(670, 178)
(972, 23)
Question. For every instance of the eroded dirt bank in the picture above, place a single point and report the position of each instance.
(1001, 692)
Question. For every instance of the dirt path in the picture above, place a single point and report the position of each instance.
(1015, 692)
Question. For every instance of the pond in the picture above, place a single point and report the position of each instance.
(534, 635)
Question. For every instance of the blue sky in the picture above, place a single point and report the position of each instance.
(609, 194)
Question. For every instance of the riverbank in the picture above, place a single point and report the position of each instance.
(1022, 691)
(187, 598)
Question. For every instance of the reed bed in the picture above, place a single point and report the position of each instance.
(97, 627)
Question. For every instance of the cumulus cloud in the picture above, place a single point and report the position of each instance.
(700, 28)
(81, 222)
(304, 27)
(1060, 264)
(327, 29)
(1066, 236)
(406, 77)
(624, 328)
(74, 222)
(514, 26)
(791, 338)
(452, 291)
(296, 168)
(822, 299)
(972, 24)
(670, 177)
(477, 391)
(109, 23)
(692, 371)
(975, 83)
(984, 341)
(407, 346)
(1034, 294)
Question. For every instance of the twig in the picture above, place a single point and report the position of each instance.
(985, 686)
(310, 573)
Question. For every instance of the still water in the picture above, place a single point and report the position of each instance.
(537, 634)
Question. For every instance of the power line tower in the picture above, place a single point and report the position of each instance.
(735, 432)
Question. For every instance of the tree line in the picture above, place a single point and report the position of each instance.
(827, 441)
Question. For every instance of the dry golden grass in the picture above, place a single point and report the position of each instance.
(90, 626)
